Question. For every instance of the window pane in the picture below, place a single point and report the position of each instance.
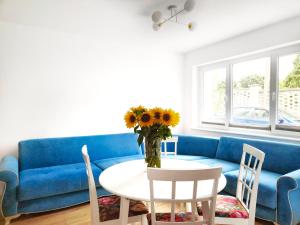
(251, 91)
(214, 95)
(288, 114)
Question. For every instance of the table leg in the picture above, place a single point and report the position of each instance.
(188, 207)
(205, 210)
(124, 209)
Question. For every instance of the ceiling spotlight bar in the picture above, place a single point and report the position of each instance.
(171, 17)
(158, 19)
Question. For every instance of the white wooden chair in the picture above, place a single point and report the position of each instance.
(106, 210)
(240, 210)
(174, 177)
(165, 151)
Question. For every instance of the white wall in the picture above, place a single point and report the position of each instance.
(275, 35)
(58, 84)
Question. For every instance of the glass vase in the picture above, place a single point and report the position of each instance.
(153, 152)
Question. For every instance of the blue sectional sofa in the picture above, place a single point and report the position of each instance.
(50, 173)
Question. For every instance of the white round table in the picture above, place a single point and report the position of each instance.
(129, 181)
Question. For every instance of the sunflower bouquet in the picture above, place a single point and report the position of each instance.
(152, 126)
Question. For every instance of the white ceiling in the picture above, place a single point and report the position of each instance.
(129, 21)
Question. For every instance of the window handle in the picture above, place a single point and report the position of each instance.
(226, 98)
(273, 96)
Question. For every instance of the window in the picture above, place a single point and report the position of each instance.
(251, 88)
(255, 92)
(214, 96)
(288, 113)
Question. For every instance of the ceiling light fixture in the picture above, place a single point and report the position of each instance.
(158, 19)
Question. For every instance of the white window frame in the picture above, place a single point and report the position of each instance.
(201, 99)
(274, 91)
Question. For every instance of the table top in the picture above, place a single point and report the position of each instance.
(129, 179)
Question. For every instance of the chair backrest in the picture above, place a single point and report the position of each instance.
(174, 177)
(165, 150)
(248, 180)
(92, 187)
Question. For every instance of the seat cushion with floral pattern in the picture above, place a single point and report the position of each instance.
(166, 217)
(109, 208)
(228, 206)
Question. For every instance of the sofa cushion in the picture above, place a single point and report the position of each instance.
(267, 191)
(55, 180)
(184, 157)
(194, 145)
(60, 151)
(226, 166)
(105, 163)
(231, 149)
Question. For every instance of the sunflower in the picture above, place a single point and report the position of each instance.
(170, 118)
(157, 114)
(138, 110)
(130, 119)
(146, 119)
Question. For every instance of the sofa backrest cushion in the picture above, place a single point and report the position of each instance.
(194, 145)
(59, 151)
(280, 157)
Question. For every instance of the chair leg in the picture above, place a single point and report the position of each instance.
(188, 207)
(148, 205)
(144, 220)
(7, 221)
(205, 209)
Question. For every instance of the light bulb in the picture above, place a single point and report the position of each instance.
(191, 26)
(157, 17)
(189, 5)
(156, 26)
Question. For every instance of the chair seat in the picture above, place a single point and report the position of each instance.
(109, 208)
(166, 217)
(229, 207)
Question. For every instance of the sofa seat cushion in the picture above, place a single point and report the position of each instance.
(267, 192)
(54, 180)
(105, 163)
(184, 157)
(109, 208)
(226, 166)
(229, 207)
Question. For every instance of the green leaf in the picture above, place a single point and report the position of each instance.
(140, 139)
(136, 129)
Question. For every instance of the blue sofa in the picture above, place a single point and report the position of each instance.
(50, 173)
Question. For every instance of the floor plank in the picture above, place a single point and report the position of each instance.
(77, 215)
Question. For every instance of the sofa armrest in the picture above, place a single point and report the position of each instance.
(9, 171)
(288, 198)
(9, 178)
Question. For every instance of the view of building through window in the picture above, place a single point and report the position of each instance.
(214, 95)
(251, 93)
(289, 91)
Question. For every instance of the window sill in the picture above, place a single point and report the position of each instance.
(254, 133)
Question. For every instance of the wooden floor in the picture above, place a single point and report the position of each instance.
(77, 215)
